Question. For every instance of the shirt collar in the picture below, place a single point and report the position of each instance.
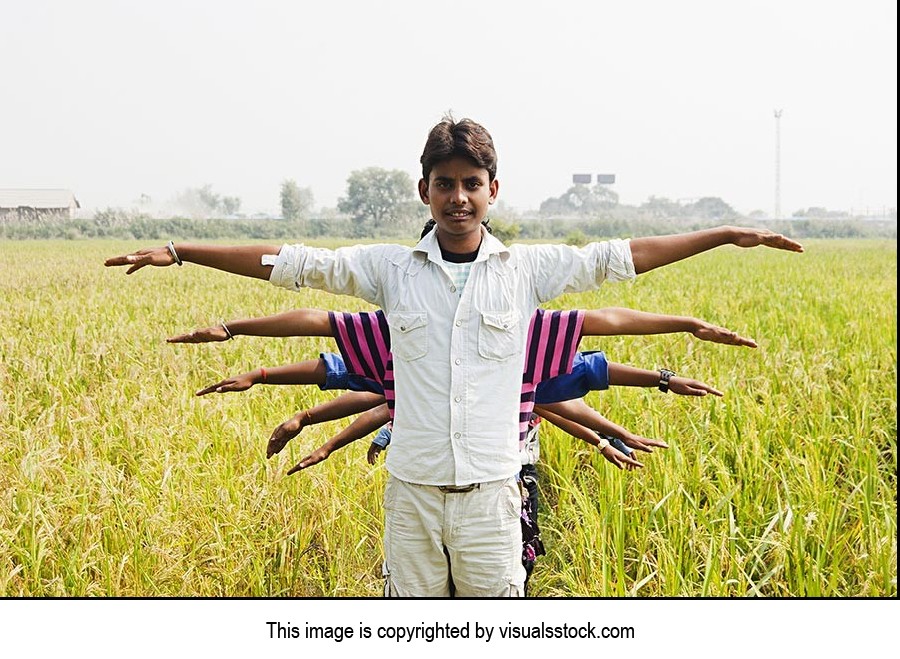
(431, 250)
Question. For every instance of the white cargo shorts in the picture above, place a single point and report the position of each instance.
(433, 534)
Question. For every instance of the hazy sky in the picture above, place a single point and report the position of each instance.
(115, 99)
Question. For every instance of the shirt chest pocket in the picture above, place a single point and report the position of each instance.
(498, 335)
(409, 334)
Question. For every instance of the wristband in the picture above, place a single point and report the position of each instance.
(171, 248)
(262, 376)
(664, 376)
(602, 442)
(227, 331)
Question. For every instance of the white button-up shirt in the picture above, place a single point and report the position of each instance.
(458, 360)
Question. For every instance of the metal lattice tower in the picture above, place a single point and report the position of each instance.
(778, 164)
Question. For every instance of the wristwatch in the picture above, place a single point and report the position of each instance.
(664, 376)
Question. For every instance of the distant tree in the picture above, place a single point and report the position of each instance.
(203, 202)
(604, 197)
(209, 198)
(116, 217)
(712, 208)
(296, 202)
(662, 208)
(377, 198)
(505, 232)
(581, 201)
(567, 204)
(230, 205)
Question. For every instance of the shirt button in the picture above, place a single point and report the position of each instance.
(453, 289)
(458, 323)
(458, 398)
(458, 362)
(403, 328)
(456, 435)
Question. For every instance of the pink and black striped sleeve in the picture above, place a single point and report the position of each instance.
(553, 338)
(364, 341)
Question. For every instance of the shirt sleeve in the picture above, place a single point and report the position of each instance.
(551, 345)
(364, 342)
(337, 377)
(559, 269)
(590, 372)
(383, 438)
(354, 270)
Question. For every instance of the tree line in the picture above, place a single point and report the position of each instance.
(382, 203)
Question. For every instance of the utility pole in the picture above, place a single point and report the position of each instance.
(778, 164)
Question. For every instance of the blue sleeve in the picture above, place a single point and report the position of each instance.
(590, 372)
(337, 377)
(359, 383)
(383, 438)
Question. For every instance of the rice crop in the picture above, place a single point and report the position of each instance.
(115, 480)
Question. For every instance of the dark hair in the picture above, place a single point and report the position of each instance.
(429, 225)
(459, 139)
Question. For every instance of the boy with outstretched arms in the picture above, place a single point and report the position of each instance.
(458, 304)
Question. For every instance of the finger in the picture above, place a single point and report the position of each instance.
(744, 341)
(274, 446)
(208, 390)
(308, 461)
(689, 388)
(779, 241)
(658, 443)
(612, 456)
(706, 389)
(631, 461)
(137, 261)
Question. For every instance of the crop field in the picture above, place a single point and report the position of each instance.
(116, 481)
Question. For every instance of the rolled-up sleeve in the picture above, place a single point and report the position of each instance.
(345, 271)
(564, 269)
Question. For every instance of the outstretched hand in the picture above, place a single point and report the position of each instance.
(619, 459)
(689, 387)
(716, 334)
(314, 458)
(205, 335)
(285, 433)
(646, 444)
(236, 383)
(157, 256)
(749, 237)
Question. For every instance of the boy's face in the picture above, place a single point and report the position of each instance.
(458, 193)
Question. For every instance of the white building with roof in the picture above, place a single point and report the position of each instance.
(22, 204)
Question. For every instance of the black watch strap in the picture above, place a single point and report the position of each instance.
(664, 376)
